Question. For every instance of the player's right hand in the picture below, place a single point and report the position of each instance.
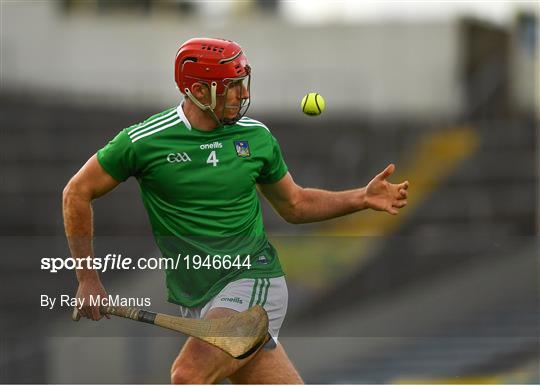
(385, 196)
(86, 288)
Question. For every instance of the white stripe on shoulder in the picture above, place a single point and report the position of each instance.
(251, 122)
(159, 124)
(161, 128)
(151, 122)
(248, 119)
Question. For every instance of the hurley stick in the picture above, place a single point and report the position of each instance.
(239, 335)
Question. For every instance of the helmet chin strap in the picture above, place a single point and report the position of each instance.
(207, 108)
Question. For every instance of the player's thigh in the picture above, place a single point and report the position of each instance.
(200, 362)
(268, 367)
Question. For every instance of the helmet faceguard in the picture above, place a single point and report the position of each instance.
(220, 65)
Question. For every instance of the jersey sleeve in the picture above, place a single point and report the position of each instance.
(274, 167)
(118, 157)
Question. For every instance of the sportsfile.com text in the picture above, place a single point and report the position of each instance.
(113, 261)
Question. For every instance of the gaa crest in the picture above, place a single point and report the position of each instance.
(242, 148)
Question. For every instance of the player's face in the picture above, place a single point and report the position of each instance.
(231, 102)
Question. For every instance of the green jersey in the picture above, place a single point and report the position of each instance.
(199, 189)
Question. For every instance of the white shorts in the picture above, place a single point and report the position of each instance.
(239, 295)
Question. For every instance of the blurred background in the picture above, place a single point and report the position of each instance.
(447, 292)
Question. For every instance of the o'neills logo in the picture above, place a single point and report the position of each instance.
(233, 300)
(214, 145)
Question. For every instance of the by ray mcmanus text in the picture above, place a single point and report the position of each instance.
(63, 300)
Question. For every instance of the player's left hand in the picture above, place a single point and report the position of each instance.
(385, 196)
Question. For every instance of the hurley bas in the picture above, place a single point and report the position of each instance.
(110, 300)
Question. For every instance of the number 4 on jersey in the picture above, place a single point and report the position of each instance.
(212, 158)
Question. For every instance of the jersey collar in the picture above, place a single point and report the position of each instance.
(182, 116)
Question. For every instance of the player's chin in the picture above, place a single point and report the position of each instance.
(231, 112)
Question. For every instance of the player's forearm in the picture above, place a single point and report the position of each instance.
(318, 205)
(78, 224)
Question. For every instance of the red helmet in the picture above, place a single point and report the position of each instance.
(209, 60)
(219, 64)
